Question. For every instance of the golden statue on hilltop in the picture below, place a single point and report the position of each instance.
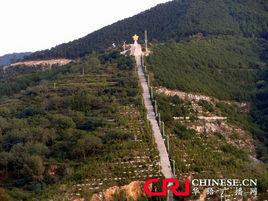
(135, 49)
(135, 37)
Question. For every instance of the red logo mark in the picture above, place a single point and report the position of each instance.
(171, 183)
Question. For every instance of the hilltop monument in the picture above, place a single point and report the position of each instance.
(135, 49)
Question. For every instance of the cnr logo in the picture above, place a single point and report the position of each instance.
(171, 183)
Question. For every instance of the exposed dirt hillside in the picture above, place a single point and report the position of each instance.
(212, 122)
(49, 62)
(132, 191)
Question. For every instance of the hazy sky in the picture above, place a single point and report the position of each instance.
(30, 25)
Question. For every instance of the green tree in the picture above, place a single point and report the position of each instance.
(4, 196)
(82, 101)
(62, 121)
(34, 167)
(92, 62)
(89, 145)
(4, 160)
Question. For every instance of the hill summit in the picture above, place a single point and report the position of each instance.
(173, 20)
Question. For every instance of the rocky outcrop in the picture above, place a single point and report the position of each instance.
(193, 97)
(25, 67)
(132, 191)
(210, 123)
(183, 95)
(39, 63)
(49, 62)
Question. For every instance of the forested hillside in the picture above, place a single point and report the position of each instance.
(259, 112)
(60, 128)
(224, 67)
(174, 20)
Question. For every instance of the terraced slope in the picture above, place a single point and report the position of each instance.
(65, 135)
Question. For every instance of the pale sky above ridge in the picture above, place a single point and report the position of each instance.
(31, 25)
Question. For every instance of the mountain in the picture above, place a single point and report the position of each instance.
(173, 20)
(9, 58)
(72, 126)
(76, 129)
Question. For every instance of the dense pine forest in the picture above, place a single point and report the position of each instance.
(209, 65)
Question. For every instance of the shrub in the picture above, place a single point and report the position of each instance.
(116, 135)
(62, 121)
(206, 105)
(182, 132)
(4, 196)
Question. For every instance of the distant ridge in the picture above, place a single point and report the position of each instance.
(9, 58)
